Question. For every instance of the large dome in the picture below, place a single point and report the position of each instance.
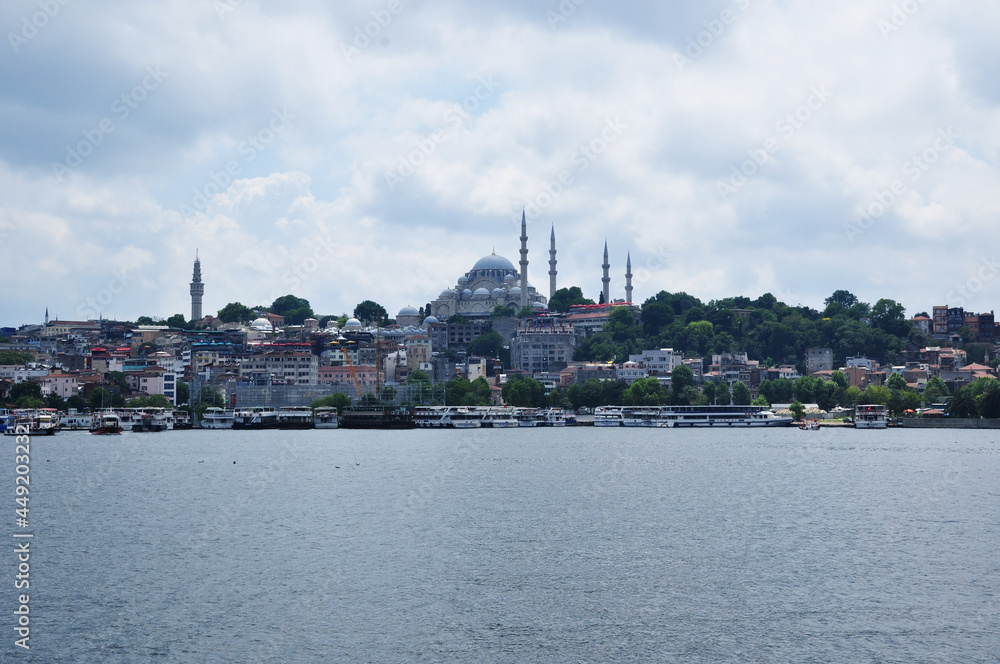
(408, 311)
(493, 262)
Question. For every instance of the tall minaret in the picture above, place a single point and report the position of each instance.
(524, 261)
(552, 263)
(197, 289)
(46, 315)
(607, 278)
(628, 278)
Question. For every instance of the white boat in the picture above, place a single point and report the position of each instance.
(552, 417)
(7, 421)
(326, 418)
(217, 418)
(447, 417)
(870, 416)
(256, 417)
(527, 417)
(295, 417)
(608, 416)
(498, 418)
(720, 416)
(643, 416)
(77, 422)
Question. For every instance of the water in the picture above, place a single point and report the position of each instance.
(575, 545)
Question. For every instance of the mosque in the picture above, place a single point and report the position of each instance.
(494, 282)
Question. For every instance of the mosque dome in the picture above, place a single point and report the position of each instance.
(262, 324)
(538, 306)
(493, 262)
(431, 320)
(352, 324)
(516, 290)
(498, 292)
(446, 294)
(481, 292)
(463, 279)
(467, 293)
(408, 311)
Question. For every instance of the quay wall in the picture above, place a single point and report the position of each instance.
(949, 423)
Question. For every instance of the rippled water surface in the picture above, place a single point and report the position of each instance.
(575, 545)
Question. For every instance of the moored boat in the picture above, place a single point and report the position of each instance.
(217, 418)
(870, 416)
(106, 424)
(256, 417)
(295, 417)
(377, 417)
(326, 418)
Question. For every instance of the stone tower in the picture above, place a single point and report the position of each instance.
(552, 264)
(197, 290)
(606, 280)
(524, 260)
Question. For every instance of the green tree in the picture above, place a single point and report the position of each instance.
(852, 397)
(723, 396)
(680, 378)
(100, 398)
(24, 389)
(879, 394)
(645, 392)
(935, 390)
(989, 400)
(761, 400)
(337, 400)
(53, 400)
(144, 320)
(149, 401)
(503, 311)
(962, 404)
(896, 382)
(798, 410)
(564, 298)
(234, 312)
(525, 312)
(741, 394)
(370, 313)
(295, 309)
(844, 298)
(523, 391)
(890, 316)
(178, 321)
(183, 392)
(14, 357)
(486, 345)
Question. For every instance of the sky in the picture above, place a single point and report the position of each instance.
(356, 150)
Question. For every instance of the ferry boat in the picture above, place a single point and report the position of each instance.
(106, 424)
(295, 417)
(217, 418)
(326, 418)
(7, 420)
(151, 420)
(528, 417)
(608, 416)
(182, 419)
(498, 418)
(378, 417)
(447, 417)
(77, 422)
(870, 416)
(552, 417)
(255, 418)
(688, 416)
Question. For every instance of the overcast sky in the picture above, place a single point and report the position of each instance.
(345, 151)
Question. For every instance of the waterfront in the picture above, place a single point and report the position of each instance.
(527, 545)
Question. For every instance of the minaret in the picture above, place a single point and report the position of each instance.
(628, 278)
(552, 263)
(607, 278)
(46, 315)
(524, 261)
(197, 289)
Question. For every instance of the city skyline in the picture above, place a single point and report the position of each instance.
(728, 148)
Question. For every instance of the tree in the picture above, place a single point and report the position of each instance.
(370, 313)
(503, 311)
(680, 378)
(741, 394)
(989, 401)
(761, 400)
(844, 298)
(798, 410)
(564, 298)
(183, 392)
(935, 390)
(966, 334)
(879, 394)
(852, 397)
(962, 404)
(14, 357)
(53, 400)
(523, 391)
(149, 401)
(723, 396)
(177, 320)
(644, 392)
(234, 312)
(525, 312)
(889, 315)
(486, 345)
(100, 398)
(144, 320)
(25, 389)
(896, 382)
(295, 309)
(337, 400)
(388, 393)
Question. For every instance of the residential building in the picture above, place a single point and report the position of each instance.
(940, 322)
(542, 344)
(65, 385)
(660, 362)
(820, 359)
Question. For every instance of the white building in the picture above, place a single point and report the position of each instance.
(658, 362)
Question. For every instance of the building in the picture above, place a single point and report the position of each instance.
(153, 380)
(65, 385)
(940, 322)
(923, 323)
(632, 371)
(492, 282)
(820, 359)
(542, 344)
(660, 362)
(197, 290)
(293, 367)
(956, 320)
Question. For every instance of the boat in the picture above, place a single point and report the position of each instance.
(447, 417)
(295, 417)
(498, 418)
(7, 421)
(182, 419)
(552, 417)
(378, 417)
(809, 425)
(106, 424)
(256, 417)
(608, 416)
(326, 418)
(217, 418)
(870, 416)
(77, 422)
(643, 416)
(148, 421)
(527, 417)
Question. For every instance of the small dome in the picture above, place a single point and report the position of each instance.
(481, 292)
(431, 320)
(516, 290)
(493, 262)
(498, 292)
(463, 279)
(408, 311)
(352, 323)
(446, 294)
(510, 279)
(467, 293)
(538, 306)
(262, 324)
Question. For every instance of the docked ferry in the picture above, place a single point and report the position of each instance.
(217, 418)
(326, 418)
(688, 416)
(295, 417)
(106, 424)
(447, 417)
(498, 418)
(870, 416)
(256, 417)
(378, 417)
